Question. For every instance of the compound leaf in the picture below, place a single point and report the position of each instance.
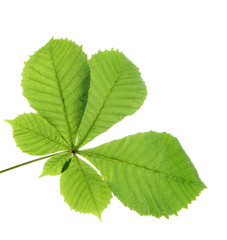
(116, 90)
(84, 189)
(55, 82)
(149, 172)
(55, 164)
(35, 136)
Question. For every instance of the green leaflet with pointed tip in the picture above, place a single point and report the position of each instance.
(55, 164)
(83, 188)
(149, 172)
(116, 90)
(56, 82)
(35, 136)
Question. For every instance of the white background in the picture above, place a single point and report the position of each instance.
(181, 50)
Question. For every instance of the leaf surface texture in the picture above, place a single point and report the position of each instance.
(55, 164)
(83, 188)
(56, 82)
(149, 172)
(35, 136)
(116, 90)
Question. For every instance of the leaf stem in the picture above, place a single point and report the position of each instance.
(25, 163)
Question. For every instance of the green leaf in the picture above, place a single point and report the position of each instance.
(83, 188)
(149, 172)
(55, 164)
(116, 90)
(56, 82)
(35, 136)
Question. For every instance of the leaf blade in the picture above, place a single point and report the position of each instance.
(35, 136)
(116, 90)
(55, 82)
(54, 165)
(83, 189)
(150, 174)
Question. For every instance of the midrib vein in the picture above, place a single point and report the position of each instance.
(45, 136)
(104, 102)
(84, 175)
(138, 166)
(62, 99)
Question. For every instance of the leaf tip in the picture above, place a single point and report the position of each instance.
(8, 121)
(99, 217)
(41, 175)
